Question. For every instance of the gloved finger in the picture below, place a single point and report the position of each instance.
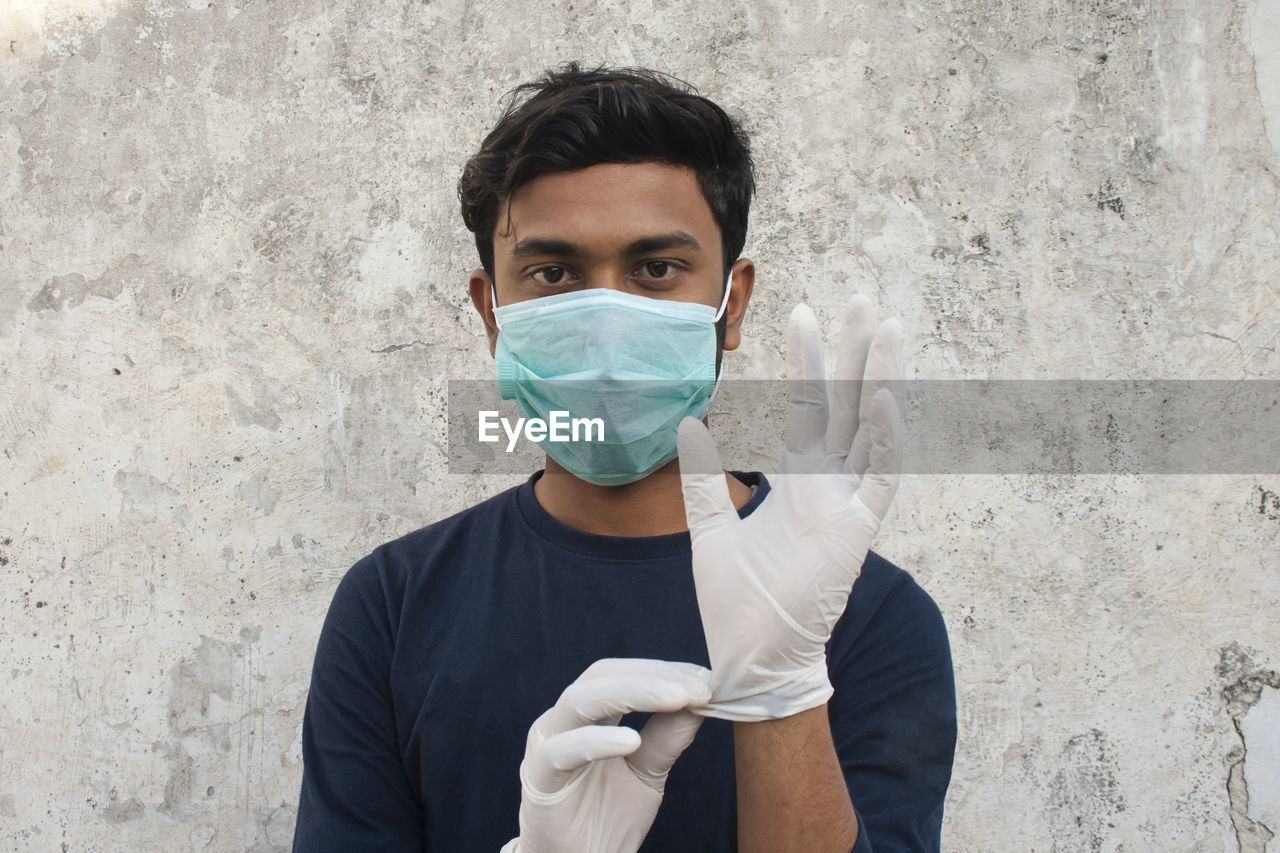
(806, 383)
(856, 332)
(662, 740)
(696, 678)
(707, 505)
(880, 479)
(612, 687)
(884, 363)
(884, 369)
(549, 765)
(570, 750)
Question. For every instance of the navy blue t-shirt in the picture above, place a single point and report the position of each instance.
(442, 647)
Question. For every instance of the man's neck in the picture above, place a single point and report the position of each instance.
(650, 507)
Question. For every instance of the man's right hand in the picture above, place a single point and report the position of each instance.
(592, 786)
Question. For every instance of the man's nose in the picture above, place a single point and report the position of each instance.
(610, 280)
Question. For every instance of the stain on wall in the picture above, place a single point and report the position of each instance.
(1085, 797)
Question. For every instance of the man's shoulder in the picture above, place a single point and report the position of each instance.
(886, 599)
(447, 540)
(481, 518)
(882, 580)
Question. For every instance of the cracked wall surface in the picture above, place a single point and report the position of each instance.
(1253, 775)
(232, 291)
(1260, 734)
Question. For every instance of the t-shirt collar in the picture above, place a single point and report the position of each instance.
(619, 548)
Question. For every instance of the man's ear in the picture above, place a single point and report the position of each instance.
(481, 288)
(744, 279)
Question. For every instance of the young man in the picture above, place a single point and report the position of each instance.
(471, 677)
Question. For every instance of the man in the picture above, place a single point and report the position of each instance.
(471, 677)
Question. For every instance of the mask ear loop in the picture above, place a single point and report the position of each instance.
(493, 288)
(724, 302)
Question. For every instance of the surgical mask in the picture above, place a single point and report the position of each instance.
(638, 365)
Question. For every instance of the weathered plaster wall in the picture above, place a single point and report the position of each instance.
(232, 288)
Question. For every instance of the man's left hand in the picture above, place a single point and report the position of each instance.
(771, 586)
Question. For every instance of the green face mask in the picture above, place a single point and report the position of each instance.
(625, 368)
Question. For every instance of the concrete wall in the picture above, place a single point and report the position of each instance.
(232, 288)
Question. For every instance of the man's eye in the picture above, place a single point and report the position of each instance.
(657, 269)
(550, 275)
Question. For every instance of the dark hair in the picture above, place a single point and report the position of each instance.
(572, 119)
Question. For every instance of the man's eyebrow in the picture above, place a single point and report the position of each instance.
(674, 240)
(563, 248)
(545, 246)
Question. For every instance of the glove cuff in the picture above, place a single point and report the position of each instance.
(796, 694)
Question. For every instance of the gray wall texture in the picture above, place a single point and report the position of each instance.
(232, 288)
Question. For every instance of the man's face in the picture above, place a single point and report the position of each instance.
(642, 228)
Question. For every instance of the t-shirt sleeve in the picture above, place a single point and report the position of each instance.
(893, 719)
(355, 794)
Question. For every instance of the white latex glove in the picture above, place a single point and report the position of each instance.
(772, 586)
(590, 785)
